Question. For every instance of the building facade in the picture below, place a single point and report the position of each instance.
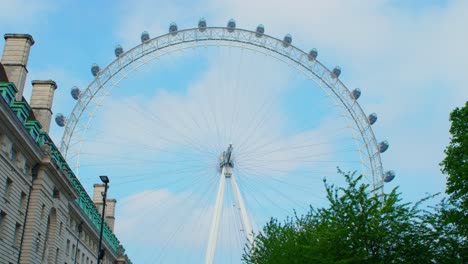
(46, 216)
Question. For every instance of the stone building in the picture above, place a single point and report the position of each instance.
(46, 216)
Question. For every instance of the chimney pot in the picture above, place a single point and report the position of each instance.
(41, 101)
(15, 59)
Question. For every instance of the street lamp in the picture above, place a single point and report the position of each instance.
(105, 180)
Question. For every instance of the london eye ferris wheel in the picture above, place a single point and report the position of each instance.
(238, 126)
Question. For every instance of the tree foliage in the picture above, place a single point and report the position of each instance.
(455, 164)
(360, 225)
(453, 215)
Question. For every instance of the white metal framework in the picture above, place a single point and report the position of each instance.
(108, 78)
(78, 122)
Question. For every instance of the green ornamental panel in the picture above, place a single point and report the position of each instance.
(8, 91)
(21, 109)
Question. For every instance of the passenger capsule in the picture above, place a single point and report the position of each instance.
(389, 176)
(259, 31)
(231, 25)
(356, 93)
(118, 51)
(372, 118)
(313, 54)
(173, 29)
(75, 93)
(145, 36)
(202, 24)
(336, 72)
(60, 120)
(383, 146)
(287, 40)
(95, 70)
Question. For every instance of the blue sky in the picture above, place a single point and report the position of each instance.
(407, 57)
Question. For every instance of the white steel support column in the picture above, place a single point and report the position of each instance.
(247, 226)
(210, 250)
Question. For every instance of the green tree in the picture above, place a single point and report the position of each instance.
(360, 225)
(453, 215)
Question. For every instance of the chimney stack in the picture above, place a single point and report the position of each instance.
(97, 195)
(41, 102)
(109, 216)
(110, 213)
(15, 59)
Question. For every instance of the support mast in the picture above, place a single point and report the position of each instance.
(226, 166)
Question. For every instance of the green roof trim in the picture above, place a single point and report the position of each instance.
(83, 200)
(22, 110)
(34, 128)
(8, 91)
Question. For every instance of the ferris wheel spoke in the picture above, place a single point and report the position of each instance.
(149, 130)
(182, 215)
(242, 92)
(297, 157)
(132, 144)
(253, 125)
(277, 192)
(305, 188)
(186, 139)
(126, 161)
(258, 118)
(236, 89)
(263, 146)
(255, 192)
(286, 148)
(155, 175)
(178, 185)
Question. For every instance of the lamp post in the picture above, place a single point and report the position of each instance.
(80, 229)
(105, 180)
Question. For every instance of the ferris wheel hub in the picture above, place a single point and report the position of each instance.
(226, 158)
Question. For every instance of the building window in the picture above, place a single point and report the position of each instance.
(2, 223)
(26, 169)
(7, 190)
(56, 193)
(67, 249)
(38, 242)
(22, 204)
(13, 153)
(82, 258)
(42, 213)
(78, 257)
(57, 253)
(73, 252)
(19, 160)
(16, 235)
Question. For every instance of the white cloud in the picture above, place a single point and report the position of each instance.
(142, 210)
(23, 12)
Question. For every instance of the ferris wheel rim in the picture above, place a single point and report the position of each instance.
(243, 36)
